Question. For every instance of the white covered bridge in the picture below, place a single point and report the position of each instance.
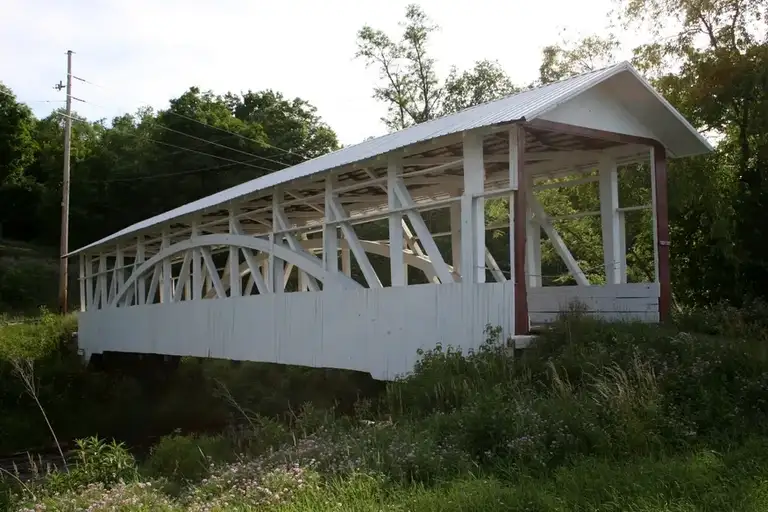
(211, 278)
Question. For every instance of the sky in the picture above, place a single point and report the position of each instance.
(145, 52)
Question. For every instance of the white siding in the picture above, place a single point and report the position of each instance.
(597, 108)
(629, 301)
(372, 330)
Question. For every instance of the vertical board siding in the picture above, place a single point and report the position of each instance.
(628, 301)
(373, 330)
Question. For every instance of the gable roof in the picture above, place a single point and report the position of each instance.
(523, 106)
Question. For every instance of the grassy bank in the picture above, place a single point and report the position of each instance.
(598, 416)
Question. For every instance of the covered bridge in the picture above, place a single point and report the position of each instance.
(209, 279)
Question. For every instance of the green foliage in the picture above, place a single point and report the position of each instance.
(187, 458)
(96, 463)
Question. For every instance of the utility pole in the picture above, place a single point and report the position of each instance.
(64, 247)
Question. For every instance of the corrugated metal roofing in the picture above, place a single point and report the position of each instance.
(525, 105)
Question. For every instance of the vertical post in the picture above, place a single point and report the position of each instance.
(82, 282)
(609, 217)
(89, 283)
(330, 231)
(235, 282)
(659, 173)
(166, 292)
(102, 279)
(532, 245)
(64, 244)
(197, 266)
(396, 261)
(119, 275)
(141, 281)
(518, 215)
(276, 265)
(473, 211)
(623, 246)
(455, 212)
(346, 262)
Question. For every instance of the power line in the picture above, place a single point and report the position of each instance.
(187, 149)
(260, 142)
(162, 126)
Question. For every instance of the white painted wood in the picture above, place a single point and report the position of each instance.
(183, 282)
(616, 301)
(281, 221)
(165, 290)
(102, 278)
(455, 212)
(119, 268)
(598, 108)
(557, 242)
(235, 281)
(396, 263)
(212, 272)
(197, 267)
(613, 258)
(330, 231)
(623, 246)
(372, 330)
(82, 280)
(153, 285)
(473, 211)
(496, 272)
(89, 283)
(276, 265)
(654, 225)
(346, 262)
(425, 237)
(287, 275)
(533, 249)
(354, 245)
(281, 252)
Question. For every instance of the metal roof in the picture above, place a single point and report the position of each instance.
(525, 105)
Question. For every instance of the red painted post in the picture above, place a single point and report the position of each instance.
(522, 320)
(662, 231)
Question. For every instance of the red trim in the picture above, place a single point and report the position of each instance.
(522, 320)
(662, 231)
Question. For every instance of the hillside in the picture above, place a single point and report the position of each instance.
(598, 416)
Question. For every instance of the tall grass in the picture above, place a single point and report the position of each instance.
(597, 416)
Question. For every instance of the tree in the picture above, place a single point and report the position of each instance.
(485, 82)
(571, 58)
(409, 85)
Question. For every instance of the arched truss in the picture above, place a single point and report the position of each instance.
(160, 263)
(419, 262)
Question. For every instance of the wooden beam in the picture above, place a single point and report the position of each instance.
(183, 281)
(609, 218)
(519, 228)
(354, 244)
(396, 265)
(422, 231)
(330, 231)
(557, 242)
(165, 291)
(580, 131)
(235, 281)
(213, 273)
(473, 211)
(659, 173)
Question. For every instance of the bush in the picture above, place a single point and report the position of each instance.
(96, 462)
(187, 458)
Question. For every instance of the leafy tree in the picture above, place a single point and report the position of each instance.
(485, 82)
(409, 84)
(570, 58)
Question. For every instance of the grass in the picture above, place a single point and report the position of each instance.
(598, 416)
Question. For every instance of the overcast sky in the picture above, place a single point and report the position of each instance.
(147, 51)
